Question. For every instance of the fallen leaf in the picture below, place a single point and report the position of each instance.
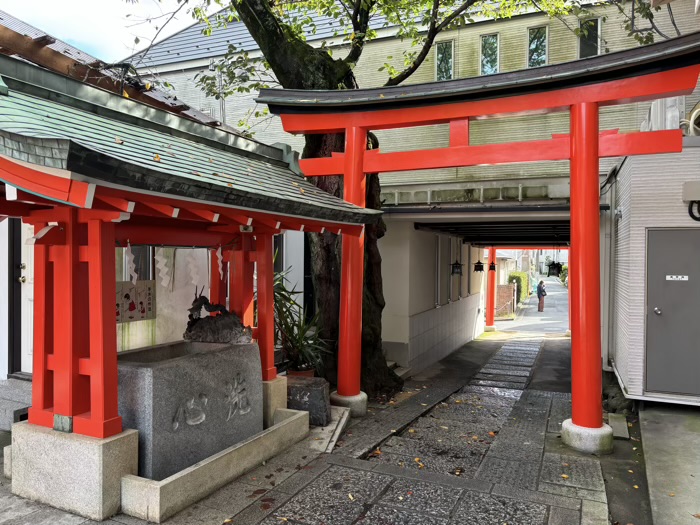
(564, 476)
(352, 498)
(672, 494)
(458, 401)
(565, 464)
(475, 438)
(697, 516)
(411, 431)
(417, 460)
(424, 404)
(444, 427)
(635, 486)
(634, 448)
(118, 140)
(630, 471)
(156, 157)
(492, 434)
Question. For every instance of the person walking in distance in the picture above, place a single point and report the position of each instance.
(541, 294)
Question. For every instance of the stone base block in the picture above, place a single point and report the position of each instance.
(274, 397)
(75, 473)
(357, 404)
(567, 333)
(310, 394)
(489, 329)
(584, 439)
(158, 500)
(7, 461)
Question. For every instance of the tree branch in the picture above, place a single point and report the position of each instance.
(673, 20)
(360, 24)
(433, 31)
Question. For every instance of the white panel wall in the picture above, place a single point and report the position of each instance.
(649, 194)
(4, 298)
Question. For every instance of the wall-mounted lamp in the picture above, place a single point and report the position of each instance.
(456, 268)
(478, 266)
(492, 267)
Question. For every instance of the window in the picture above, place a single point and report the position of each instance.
(537, 46)
(589, 38)
(489, 54)
(444, 61)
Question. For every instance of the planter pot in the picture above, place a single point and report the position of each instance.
(301, 373)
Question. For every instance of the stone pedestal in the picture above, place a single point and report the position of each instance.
(189, 401)
(589, 440)
(489, 329)
(357, 404)
(72, 472)
(310, 394)
(274, 397)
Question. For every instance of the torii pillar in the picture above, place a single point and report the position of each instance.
(491, 293)
(585, 431)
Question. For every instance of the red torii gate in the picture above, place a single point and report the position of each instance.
(665, 69)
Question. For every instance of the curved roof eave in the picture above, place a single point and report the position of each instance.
(663, 56)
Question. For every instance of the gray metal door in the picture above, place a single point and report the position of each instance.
(673, 311)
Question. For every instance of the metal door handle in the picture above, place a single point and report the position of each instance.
(657, 310)
(22, 279)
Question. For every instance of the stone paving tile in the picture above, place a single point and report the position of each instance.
(261, 509)
(516, 451)
(573, 492)
(516, 473)
(13, 507)
(435, 429)
(498, 384)
(429, 498)
(481, 509)
(594, 513)
(46, 516)
(561, 410)
(559, 516)
(466, 465)
(128, 520)
(198, 514)
(381, 515)
(233, 498)
(497, 377)
(457, 482)
(582, 472)
(506, 370)
(533, 496)
(337, 497)
(488, 391)
(459, 449)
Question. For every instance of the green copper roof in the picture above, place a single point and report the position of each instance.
(147, 158)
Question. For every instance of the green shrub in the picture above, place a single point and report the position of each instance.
(564, 273)
(522, 282)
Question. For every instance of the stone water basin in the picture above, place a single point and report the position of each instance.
(188, 401)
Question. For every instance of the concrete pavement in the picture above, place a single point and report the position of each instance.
(554, 319)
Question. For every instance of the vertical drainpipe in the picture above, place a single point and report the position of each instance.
(437, 271)
(461, 248)
(449, 275)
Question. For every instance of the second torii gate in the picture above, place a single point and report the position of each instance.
(669, 68)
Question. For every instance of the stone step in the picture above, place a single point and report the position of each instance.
(16, 390)
(402, 372)
(11, 412)
(391, 364)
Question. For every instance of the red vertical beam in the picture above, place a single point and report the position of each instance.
(103, 419)
(352, 270)
(41, 411)
(217, 285)
(569, 287)
(586, 367)
(65, 338)
(491, 291)
(242, 292)
(266, 306)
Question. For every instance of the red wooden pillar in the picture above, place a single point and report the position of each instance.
(491, 293)
(217, 284)
(103, 419)
(352, 270)
(584, 269)
(266, 305)
(241, 292)
(41, 411)
(569, 288)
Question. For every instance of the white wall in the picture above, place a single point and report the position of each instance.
(645, 202)
(416, 332)
(293, 253)
(4, 297)
(172, 303)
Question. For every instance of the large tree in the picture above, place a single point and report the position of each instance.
(280, 29)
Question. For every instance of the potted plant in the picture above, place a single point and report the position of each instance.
(297, 336)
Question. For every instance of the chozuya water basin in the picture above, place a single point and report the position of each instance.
(189, 400)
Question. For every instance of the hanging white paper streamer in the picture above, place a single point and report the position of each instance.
(192, 266)
(162, 266)
(130, 264)
(220, 259)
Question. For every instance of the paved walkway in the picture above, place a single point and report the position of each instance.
(671, 435)
(554, 319)
(468, 442)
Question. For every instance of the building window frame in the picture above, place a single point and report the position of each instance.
(452, 49)
(546, 45)
(599, 21)
(481, 53)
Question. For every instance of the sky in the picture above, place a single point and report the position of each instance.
(106, 29)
